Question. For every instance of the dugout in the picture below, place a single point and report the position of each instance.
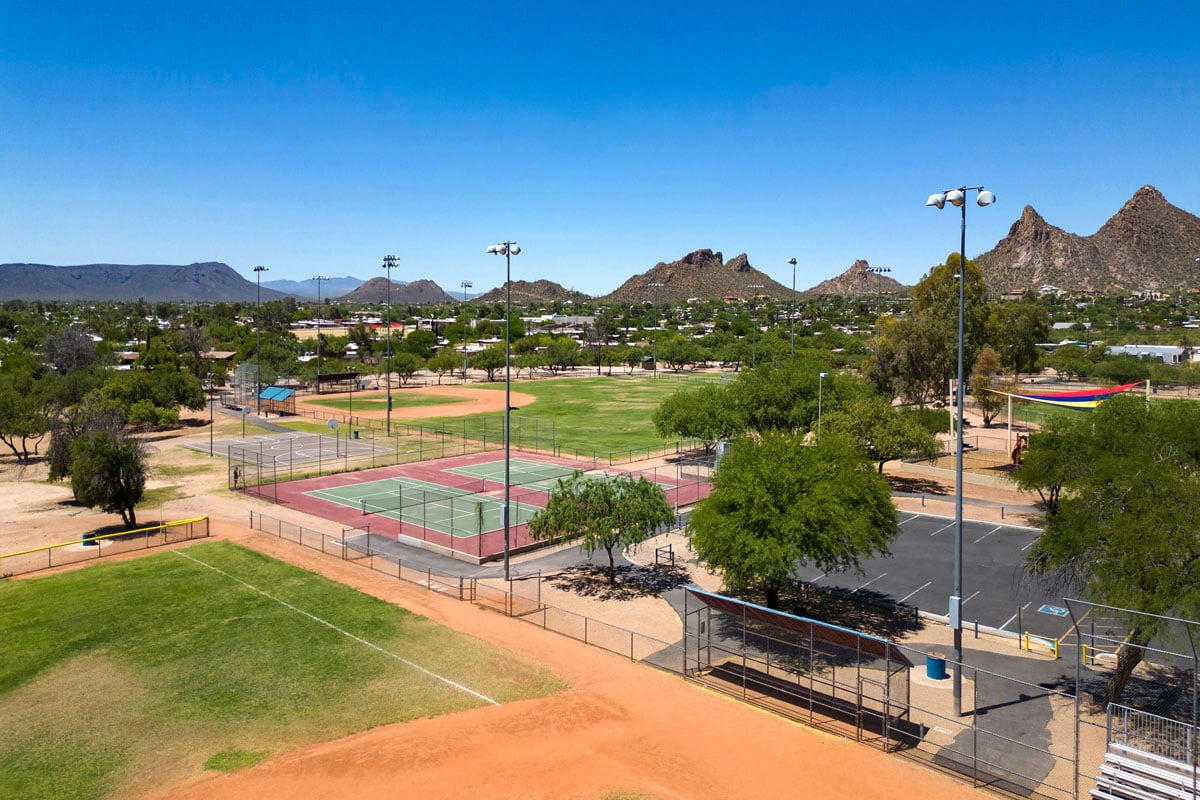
(337, 382)
(825, 675)
(278, 400)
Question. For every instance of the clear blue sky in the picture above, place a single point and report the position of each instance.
(605, 137)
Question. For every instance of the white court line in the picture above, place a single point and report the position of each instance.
(1014, 616)
(989, 533)
(943, 528)
(868, 583)
(910, 594)
(328, 624)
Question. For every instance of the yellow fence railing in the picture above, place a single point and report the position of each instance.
(90, 548)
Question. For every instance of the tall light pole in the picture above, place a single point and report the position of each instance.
(318, 279)
(958, 197)
(754, 327)
(389, 263)
(258, 271)
(821, 376)
(792, 261)
(465, 285)
(655, 285)
(508, 250)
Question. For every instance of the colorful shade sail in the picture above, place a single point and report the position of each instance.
(1078, 399)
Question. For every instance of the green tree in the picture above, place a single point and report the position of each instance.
(406, 365)
(777, 502)
(708, 413)
(989, 403)
(444, 363)
(881, 431)
(89, 416)
(23, 416)
(562, 354)
(603, 514)
(1069, 361)
(490, 360)
(420, 343)
(1124, 532)
(109, 473)
(1014, 330)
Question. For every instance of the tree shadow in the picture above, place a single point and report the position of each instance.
(901, 483)
(633, 581)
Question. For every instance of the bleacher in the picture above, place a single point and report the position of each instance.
(1131, 774)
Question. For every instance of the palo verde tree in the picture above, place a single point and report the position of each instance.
(603, 514)
(777, 503)
(1124, 532)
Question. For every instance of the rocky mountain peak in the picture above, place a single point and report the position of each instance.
(1148, 245)
(857, 281)
(701, 258)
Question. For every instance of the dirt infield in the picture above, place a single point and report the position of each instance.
(620, 727)
(465, 400)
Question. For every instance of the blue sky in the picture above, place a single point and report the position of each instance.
(319, 137)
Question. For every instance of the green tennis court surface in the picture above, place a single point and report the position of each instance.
(468, 509)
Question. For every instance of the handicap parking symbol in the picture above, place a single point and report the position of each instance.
(1057, 611)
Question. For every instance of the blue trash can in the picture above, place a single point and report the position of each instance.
(935, 668)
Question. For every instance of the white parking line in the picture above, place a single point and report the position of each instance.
(964, 602)
(943, 528)
(1031, 544)
(868, 583)
(910, 594)
(910, 518)
(989, 533)
(1014, 616)
(822, 575)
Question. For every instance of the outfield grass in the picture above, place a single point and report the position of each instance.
(377, 401)
(122, 677)
(589, 415)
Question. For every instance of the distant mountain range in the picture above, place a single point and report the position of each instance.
(331, 287)
(541, 292)
(857, 281)
(1149, 245)
(414, 292)
(209, 281)
(701, 273)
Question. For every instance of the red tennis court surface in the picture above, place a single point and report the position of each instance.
(684, 484)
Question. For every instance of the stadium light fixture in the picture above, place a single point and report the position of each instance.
(389, 263)
(258, 271)
(754, 328)
(957, 197)
(655, 285)
(792, 314)
(318, 279)
(508, 250)
(465, 285)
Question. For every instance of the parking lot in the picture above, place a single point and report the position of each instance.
(997, 592)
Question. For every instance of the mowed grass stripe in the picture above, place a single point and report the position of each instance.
(123, 677)
(329, 624)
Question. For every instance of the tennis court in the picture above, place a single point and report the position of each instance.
(469, 508)
(455, 505)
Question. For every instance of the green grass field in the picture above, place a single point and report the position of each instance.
(589, 415)
(123, 677)
(377, 401)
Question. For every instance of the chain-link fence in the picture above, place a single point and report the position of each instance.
(92, 546)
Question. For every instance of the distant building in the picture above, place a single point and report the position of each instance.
(1167, 353)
